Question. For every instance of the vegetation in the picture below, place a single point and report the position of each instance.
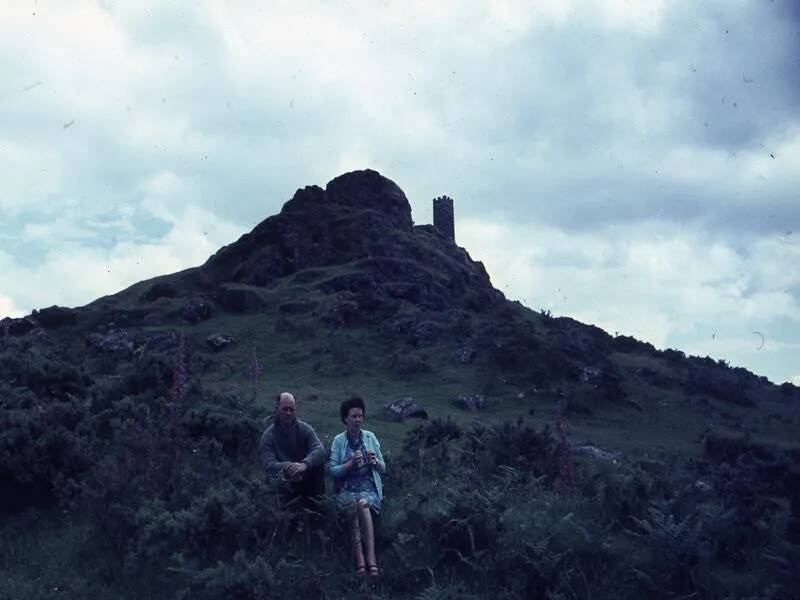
(161, 498)
(597, 467)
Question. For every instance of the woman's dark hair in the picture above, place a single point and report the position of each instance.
(354, 402)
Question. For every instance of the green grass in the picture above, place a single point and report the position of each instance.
(46, 554)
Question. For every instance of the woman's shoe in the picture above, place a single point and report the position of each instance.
(373, 571)
(361, 570)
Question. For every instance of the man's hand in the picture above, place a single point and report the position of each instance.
(295, 471)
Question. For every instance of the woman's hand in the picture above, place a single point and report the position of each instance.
(372, 458)
(355, 459)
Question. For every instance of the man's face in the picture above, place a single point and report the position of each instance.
(285, 410)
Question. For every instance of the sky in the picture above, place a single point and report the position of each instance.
(630, 164)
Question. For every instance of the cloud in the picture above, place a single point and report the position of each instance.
(75, 273)
(652, 148)
(7, 308)
(668, 285)
(598, 103)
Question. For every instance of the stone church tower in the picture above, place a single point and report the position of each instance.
(443, 218)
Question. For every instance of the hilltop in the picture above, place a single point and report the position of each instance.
(341, 293)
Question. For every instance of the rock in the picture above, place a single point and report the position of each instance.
(113, 340)
(407, 407)
(163, 341)
(589, 374)
(595, 452)
(241, 300)
(633, 404)
(425, 333)
(345, 296)
(197, 310)
(703, 487)
(341, 314)
(357, 235)
(484, 342)
(219, 341)
(55, 316)
(19, 326)
(264, 266)
(464, 355)
(470, 402)
(159, 290)
(369, 189)
(153, 320)
(126, 318)
(460, 322)
(400, 326)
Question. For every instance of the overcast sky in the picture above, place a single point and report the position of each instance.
(631, 164)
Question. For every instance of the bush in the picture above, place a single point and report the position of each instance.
(173, 485)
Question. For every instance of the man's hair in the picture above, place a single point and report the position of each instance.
(278, 397)
(354, 402)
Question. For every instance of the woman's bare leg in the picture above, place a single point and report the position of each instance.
(355, 532)
(368, 531)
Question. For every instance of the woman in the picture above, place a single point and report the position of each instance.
(356, 465)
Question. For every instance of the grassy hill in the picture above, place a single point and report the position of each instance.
(120, 481)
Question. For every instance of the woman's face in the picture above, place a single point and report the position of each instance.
(354, 418)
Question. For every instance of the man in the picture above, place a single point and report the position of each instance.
(291, 450)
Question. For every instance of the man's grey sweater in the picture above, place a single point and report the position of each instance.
(295, 443)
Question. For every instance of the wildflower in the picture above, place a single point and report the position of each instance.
(564, 479)
(253, 371)
(180, 375)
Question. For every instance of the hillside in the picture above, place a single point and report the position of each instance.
(147, 402)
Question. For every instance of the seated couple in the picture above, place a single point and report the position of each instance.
(291, 450)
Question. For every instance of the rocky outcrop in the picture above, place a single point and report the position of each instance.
(163, 341)
(361, 220)
(21, 326)
(219, 341)
(470, 402)
(158, 290)
(55, 316)
(405, 408)
(114, 340)
(197, 310)
(240, 300)
(464, 355)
